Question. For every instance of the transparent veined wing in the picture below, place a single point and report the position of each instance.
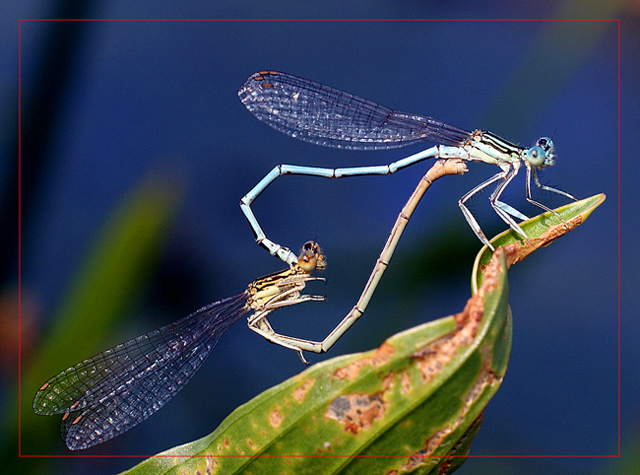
(326, 116)
(108, 394)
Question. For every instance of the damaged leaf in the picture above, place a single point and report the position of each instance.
(399, 408)
(541, 230)
(413, 405)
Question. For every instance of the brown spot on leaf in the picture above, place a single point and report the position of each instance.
(416, 460)
(356, 411)
(275, 418)
(434, 356)
(300, 392)
(485, 378)
(387, 381)
(518, 251)
(405, 382)
(212, 464)
(377, 358)
(444, 468)
(436, 439)
(491, 272)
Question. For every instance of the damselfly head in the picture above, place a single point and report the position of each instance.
(540, 155)
(311, 257)
(546, 144)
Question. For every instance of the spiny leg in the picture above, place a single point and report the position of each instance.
(471, 220)
(531, 170)
(548, 188)
(498, 205)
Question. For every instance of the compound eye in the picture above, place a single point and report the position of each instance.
(546, 143)
(536, 155)
(307, 261)
(311, 257)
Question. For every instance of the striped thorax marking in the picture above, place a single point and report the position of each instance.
(487, 147)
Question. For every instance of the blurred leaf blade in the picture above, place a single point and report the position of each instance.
(104, 286)
(417, 398)
(560, 49)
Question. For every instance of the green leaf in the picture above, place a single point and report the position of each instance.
(541, 230)
(404, 406)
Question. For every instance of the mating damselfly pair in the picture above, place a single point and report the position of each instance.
(108, 394)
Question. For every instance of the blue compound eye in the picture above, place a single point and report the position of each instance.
(536, 156)
(546, 143)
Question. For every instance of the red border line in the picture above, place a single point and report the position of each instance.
(321, 19)
(19, 238)
(619, 247)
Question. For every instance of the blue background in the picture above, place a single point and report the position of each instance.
(159, 98)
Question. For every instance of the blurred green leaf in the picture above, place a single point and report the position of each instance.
(103, 288)
(629, 460)
(559, 51)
